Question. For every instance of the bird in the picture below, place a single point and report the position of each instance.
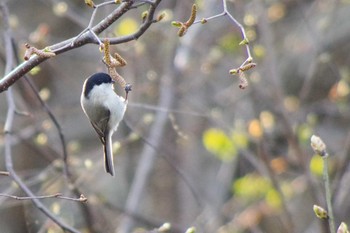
(104, 109)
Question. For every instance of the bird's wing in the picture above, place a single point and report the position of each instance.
(101, 126)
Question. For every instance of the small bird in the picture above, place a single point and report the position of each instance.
(105, 109)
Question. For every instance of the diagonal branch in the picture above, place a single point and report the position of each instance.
(86, 38)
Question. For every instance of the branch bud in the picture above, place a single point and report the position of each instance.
(343, 228)
(233, 71)
(320, 212)
(245, 41)
(176, 24)
(204, 20)
(191, 230)
(161, 16)
(144, 16)
(90, 3)
(165, 227)
(318, 145)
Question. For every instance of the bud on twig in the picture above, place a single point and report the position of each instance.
(90, 3)
(343, 228)
(191, 230)
(318, 145)
(165, 227)
(41, 53)
(320, 212)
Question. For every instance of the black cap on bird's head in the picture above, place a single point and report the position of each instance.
(96, 79)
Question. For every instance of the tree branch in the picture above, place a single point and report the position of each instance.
(83, 39)
(9, 123)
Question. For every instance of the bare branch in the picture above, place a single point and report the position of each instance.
(82, 39)
(9, 123)
(225, 12)
(56, 195)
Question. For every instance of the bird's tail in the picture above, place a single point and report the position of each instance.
(109, 166)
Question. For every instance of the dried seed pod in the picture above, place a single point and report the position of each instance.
(117, 77)
(193, 15)
(122, 61)
(182, 31)
(247, 66)
(107, 56)
(243, 82)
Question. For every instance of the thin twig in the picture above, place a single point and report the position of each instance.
(89, 27)
(225, 12)
(9, 123)
(49, 113)
(56, 195)
(328, 193)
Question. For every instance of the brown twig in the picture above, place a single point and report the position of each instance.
(30, 50)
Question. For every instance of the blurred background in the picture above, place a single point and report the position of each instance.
(193, 149)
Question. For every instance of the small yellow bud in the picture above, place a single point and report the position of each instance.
(233, 71)
(245, 41)
(90, 3)
(204, 20)
(144, 16)
(176, 24)
(161, 16)
(101, 48)
(320, 212)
